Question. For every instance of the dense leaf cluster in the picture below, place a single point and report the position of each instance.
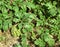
(36, 22)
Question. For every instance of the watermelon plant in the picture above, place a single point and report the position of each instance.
(35, 22)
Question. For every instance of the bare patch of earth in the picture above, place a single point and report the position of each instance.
(9, 40)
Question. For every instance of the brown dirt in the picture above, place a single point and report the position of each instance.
(9, 41)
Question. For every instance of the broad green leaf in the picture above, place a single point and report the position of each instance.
(15, 32)
(5, 25)
(40, 42)
(30, 5)
(40, 31)
(28, 27)
(16, 9)
(53, 11)
(39, 22)
(16, 20)
(24, 40)
(49, 39)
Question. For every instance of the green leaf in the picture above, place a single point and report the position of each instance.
(16, 9)
(23, 6)
(59, 36)
(15, 32)
(20, 25)
(17, 45)
(4, 10)
(49, 39)
(24, 40)
(30, 5)
(53, 11)
(33, 35)
(28, 27)
(10, 24)
(1, 24)
(39, 22)
(49, 5)
(5, 25)
(16, 20)
(40, 42)
(54, 3)
(40, 31)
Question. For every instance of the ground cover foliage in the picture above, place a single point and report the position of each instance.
(35, 22)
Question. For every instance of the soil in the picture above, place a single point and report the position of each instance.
(9, 40)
